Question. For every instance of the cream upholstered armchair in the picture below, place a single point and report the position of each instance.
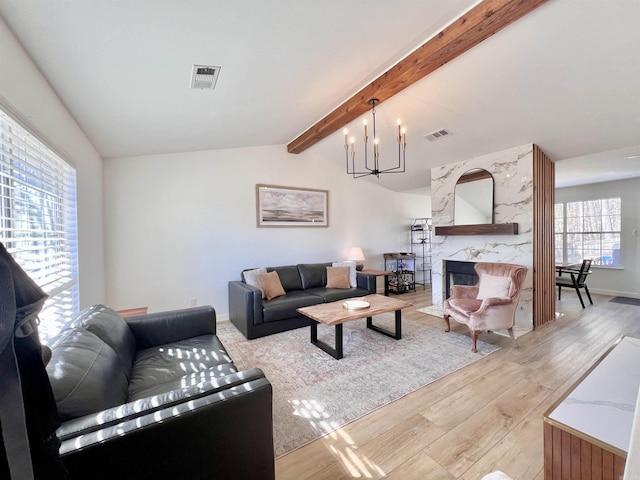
(491, 303)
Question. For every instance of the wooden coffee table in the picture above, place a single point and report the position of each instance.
(336, 314)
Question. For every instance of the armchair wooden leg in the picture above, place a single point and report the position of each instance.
(474, 337)
(513, 337)
(446, 319)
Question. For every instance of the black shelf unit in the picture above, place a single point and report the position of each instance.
(421, 229)
(403, 265)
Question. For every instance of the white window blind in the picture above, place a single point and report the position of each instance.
(38, 220)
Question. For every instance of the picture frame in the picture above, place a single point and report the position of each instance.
(279, 206)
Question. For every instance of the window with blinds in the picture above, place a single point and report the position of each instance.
(38, 220)
(589, 229)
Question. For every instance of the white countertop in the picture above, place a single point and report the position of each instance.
(603, 404)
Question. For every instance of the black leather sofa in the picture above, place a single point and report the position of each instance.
(157, 396)
(304, 284)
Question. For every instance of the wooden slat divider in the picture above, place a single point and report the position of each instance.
(543, 238)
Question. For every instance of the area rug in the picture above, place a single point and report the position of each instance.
(625, 300)
(431, 310)
(314, 394)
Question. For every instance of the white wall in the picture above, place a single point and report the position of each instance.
(180, 226)
(26, 93)
(624, 281)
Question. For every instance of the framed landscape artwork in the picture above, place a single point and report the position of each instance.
(278, 206)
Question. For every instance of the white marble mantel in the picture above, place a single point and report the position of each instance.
(602, 405)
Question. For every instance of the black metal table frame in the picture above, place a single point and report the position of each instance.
(337, 352)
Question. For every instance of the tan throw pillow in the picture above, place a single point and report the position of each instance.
(338, 277)
(252, 277)
(492, 286)
(271, 284)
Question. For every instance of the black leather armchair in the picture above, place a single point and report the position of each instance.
(157, 396)
(224, 432)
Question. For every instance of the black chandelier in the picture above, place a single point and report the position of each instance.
(375, 168)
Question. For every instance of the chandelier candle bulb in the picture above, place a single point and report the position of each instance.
(399, 131)
(365, 129)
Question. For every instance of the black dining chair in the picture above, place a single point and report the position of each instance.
(576, 279)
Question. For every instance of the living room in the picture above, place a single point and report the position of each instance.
(168, 229)
(118, 195)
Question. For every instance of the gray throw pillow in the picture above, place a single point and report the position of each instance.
(252, 277)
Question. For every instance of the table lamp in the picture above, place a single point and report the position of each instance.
(356, 255)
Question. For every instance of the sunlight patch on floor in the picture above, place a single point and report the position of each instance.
(355, 464)
(338, 441)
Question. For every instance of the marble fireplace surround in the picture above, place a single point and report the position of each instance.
(512, 171)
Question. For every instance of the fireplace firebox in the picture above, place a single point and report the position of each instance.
(455, 272)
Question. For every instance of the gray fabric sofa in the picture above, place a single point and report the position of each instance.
(304, 284)
(158, 396)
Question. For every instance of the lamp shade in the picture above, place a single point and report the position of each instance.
(356, 254)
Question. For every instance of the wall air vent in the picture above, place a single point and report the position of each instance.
(438, 134)
(204, 76)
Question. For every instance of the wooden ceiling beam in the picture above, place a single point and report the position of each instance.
(469, 30)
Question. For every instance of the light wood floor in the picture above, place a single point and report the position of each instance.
(484, 417)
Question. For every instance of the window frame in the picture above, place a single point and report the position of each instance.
(561, 242)
(38, 218)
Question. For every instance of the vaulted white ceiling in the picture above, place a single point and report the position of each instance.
(566, 77)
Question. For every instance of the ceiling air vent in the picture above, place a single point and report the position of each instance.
(438, 134)
(204, 76)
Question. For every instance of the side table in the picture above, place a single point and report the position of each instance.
(132, 312)
(379, 273)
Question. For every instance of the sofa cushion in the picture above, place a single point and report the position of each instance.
(338, 277)
(335, 294)
(110, 327)
(466, 306)
(289, 277)
(271, 285)
(313, 274)
(183, 382)
(167, 363)
(86, 375)
(285, 307)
